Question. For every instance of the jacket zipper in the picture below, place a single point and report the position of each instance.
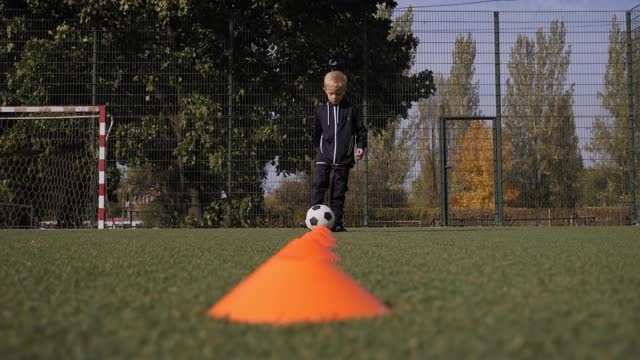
(335, 132)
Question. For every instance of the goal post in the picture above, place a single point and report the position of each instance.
(52, 169)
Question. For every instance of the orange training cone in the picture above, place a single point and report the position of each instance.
(305, 248)
(322, 235)
(284, 291)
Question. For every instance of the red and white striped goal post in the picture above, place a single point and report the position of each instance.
(101, 110)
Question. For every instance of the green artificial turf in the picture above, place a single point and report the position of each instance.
(559, 292)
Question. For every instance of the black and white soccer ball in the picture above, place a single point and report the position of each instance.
(319, 215)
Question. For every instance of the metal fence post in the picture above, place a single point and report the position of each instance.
(365, 119)
(632, 131)
(229, 119)
(444, 196)
(94, 65)
(497, 127)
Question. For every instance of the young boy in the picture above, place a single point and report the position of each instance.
(339, 132)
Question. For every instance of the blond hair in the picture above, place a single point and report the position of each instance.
(336, 78)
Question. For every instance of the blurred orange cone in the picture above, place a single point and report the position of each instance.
(288, 290)
(322, 235)
(305, 248)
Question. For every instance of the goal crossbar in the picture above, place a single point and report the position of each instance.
(101, 114)
(53, 109)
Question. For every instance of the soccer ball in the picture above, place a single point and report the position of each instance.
(319, 215)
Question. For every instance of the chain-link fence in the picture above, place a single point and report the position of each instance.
(211, 119)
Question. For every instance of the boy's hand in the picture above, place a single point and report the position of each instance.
(359, 153)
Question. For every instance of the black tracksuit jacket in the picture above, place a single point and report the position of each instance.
(338, 139)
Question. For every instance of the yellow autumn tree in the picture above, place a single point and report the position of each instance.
(472, 175)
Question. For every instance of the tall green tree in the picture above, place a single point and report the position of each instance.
(463, 93)
(610, 142)
(538, 117)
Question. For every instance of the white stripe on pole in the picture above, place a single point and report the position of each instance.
(42, 109)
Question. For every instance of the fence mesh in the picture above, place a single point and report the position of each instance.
(212, 122)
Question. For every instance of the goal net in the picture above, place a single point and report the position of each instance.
(52, 166)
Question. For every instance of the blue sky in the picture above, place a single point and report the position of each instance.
(524, 5)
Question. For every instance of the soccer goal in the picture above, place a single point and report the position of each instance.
(52, 166)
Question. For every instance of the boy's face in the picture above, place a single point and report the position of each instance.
(335, 92)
